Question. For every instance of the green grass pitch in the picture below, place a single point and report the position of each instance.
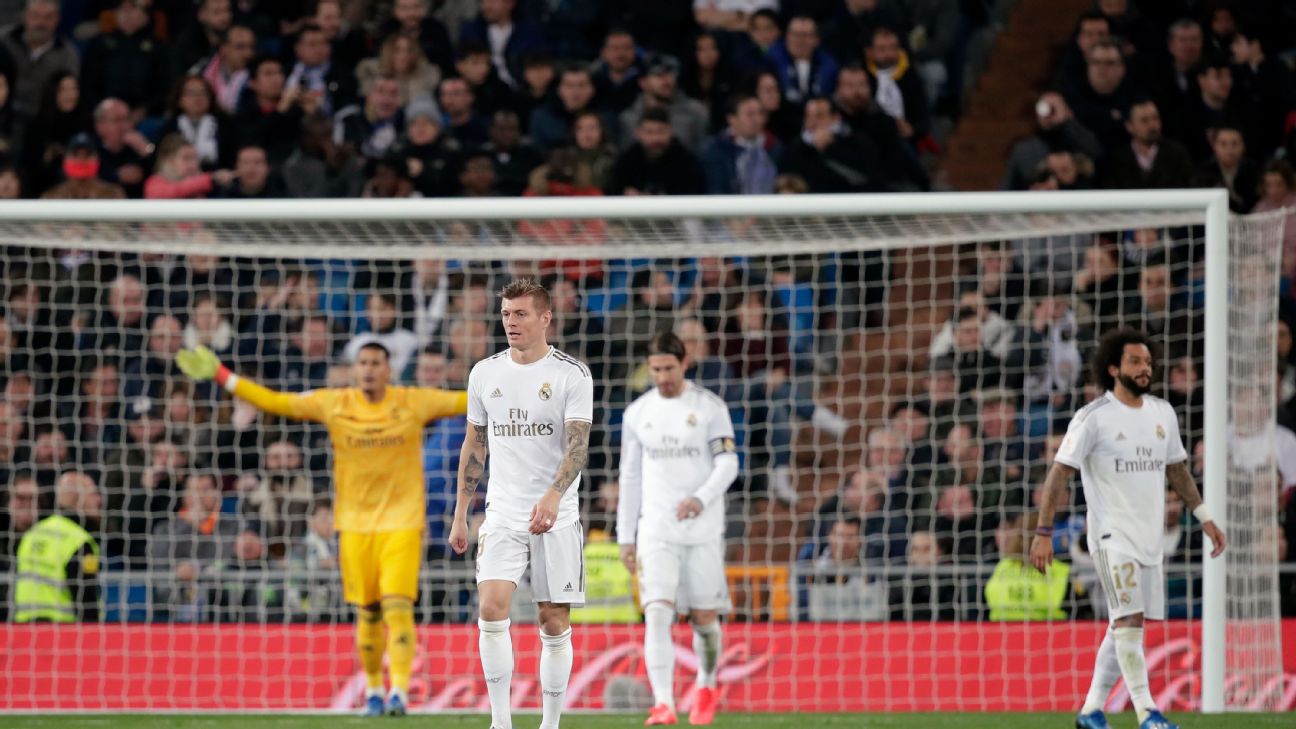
(626, 721)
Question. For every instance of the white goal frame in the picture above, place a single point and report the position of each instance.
(1212, 205)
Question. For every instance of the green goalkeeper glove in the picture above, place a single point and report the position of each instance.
(200, 363)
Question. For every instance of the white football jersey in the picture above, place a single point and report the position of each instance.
(668, 449)
(1122, 453)
(525, 409)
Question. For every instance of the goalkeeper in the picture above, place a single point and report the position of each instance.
(376, 431)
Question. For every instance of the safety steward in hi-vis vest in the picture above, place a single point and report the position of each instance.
(609, 586)
(58, 559)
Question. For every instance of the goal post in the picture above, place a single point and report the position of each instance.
(667, 234)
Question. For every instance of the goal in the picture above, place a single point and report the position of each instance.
(898, 369)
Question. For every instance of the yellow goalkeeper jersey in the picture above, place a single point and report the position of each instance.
(377, 447)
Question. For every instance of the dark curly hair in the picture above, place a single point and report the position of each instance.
(1110, 350)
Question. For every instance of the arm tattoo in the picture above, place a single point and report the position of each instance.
(474, 465)
(575, 455)
(1183, 483)
(1055, 484)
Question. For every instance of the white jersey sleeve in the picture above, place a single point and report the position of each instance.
(630, 481)
(1079, 440)
(476, 407)
(579, 396)
(1175, 452)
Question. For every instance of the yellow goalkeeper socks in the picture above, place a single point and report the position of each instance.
(369, 643)
(398, 613)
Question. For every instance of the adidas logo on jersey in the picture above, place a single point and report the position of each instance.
(497, 393)
(1120, 436)
(568, 588)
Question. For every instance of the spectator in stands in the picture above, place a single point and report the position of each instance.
(388, 178)
(650, 311)
(347, 45)
(708, 77)
(861, 113)
(61, 115)
(146, 375)
(688, 118)
(704, 367)
(829, 157)
(752, 49)
(94, 416)
(410, 17)
(124, 465)
(20, 512)
(1149, 161)
(28, 322)
(382, 324)
(270, 115)
(189, 547)
(318, 549)
(899, 92)
(252, 177)
(1278, 191)
(1100, 286)
(1230, 168)
(13, 428)
(1054, 330)
(461, 120)
(123, 151)
(864, 495)
(37, 52)
(195, 116)
(1059, 131)
(278, 502)
(303, 364)
(441, 446)
(996, 333)
(995, 491)
(616, 75)
(179, 173)
(656, 163)
(508, 35)
(1175, 81)
(477, 175)
(401, 59)
(127, 63)
(430, 156)
(1207, 110)
(490, 93)
(551, 122)
(848, 25)
(1016, 590)
(744, 158)
(320, 167)
(783, 120)
(204, 37)
(208, 326)
(841, 558)
(515, 158)
(1158, 310)
(998, 280)
(1129, 25)
(728, 15)
(1091, 28)
(1262, 86)
(1102, 99)
(81, 174)
(119, 327)
(918, 597)
(227, 71)
(1003, 444)
(955, 521)
(153, 498)
(315, 73)
(805, 70)
(538, 75)
(595, 154)
(371, 128)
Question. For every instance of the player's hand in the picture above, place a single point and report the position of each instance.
(1041, 554)
(1216, 535)
(689, 508)
(459, 536)
(545, 512)
(199, 364)
(629, 554)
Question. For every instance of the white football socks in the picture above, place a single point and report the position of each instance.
(706, 644)
(1106, 670)
(1129, 652)
(496, 648)
(659, 652)
(555, 672)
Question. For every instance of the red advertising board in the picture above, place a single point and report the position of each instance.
(765, 667)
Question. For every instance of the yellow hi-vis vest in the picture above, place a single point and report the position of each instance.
(42, 592)
(609, 587)
(1017, 591)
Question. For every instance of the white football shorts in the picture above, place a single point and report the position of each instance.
(556, 559)
(1131, 587)
(692, 576)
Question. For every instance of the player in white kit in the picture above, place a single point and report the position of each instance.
(530, 408)
(1126, 447)
(677, 461)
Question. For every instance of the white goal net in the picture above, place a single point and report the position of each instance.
(899, 371)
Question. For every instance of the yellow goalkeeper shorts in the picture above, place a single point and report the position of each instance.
(381, 564)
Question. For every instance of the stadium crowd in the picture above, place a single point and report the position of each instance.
(184, 99)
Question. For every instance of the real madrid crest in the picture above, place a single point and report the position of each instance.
(1160, 432)
(692, 420)
(546, 392)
